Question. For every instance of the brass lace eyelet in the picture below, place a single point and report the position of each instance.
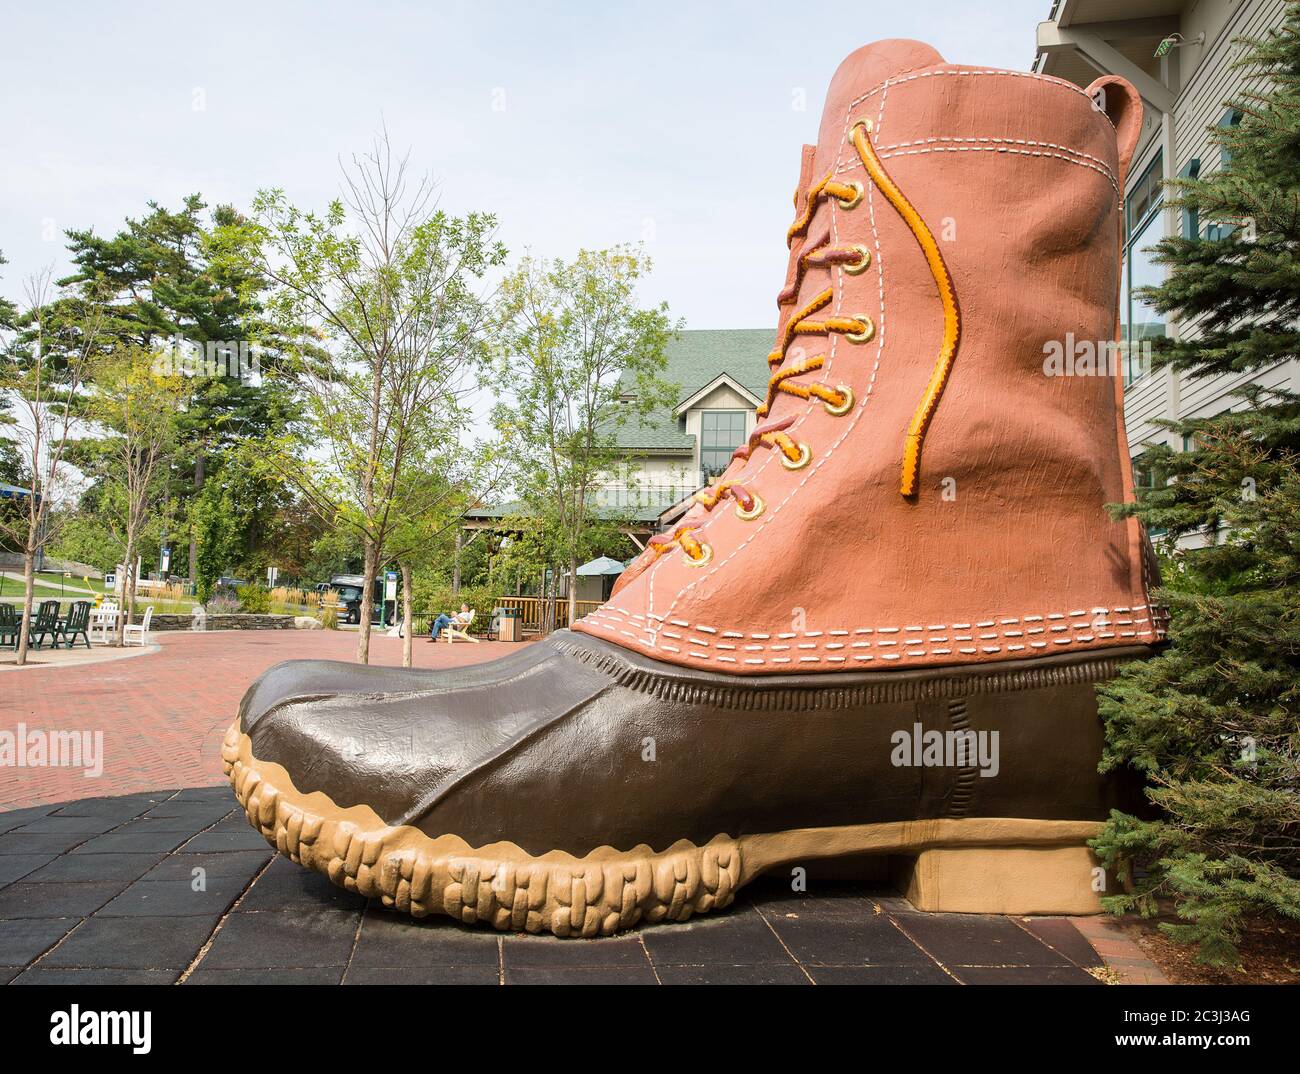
(853, 202)
(865, 333)
(753, 512)
(805, 456)
(706, 554)
(860, 266)
(865, 124)
(844, 407)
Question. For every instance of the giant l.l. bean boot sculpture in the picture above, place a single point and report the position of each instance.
(879, 631)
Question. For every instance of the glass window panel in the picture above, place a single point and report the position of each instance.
(1142, 323)
(721, 432)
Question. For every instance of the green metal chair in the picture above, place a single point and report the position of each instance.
(8, 626)
(44, 624)
(77, 623)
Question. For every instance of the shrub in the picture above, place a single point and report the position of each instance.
(253, 599)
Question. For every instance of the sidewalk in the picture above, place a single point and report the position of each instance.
(163, 714)
(102, 892)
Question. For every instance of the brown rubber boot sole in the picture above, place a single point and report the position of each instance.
(974, 865)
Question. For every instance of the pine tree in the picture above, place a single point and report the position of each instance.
(1212, 721)
(166, 279)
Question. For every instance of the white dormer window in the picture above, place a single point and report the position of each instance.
(721, 432)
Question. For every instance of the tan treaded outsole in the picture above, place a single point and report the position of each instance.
(599, 894)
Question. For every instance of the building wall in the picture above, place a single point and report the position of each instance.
(1205, 79)
(650, 471)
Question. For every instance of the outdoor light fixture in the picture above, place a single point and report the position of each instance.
(1176, 41)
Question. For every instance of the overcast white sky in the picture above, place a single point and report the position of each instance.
(673, 122)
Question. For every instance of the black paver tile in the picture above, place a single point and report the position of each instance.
(52, 825)
(63, 975)
(221, 792)
(47, 843)
(581, 975)
(287, 885)
(218, 841)
(722, 974)
(839, 940)
(928, 974)
(285, 975)
(977, 940)
(235, 821)
(16, 866)
(202, 813)
(527, 952)
(283, 938)
(128, 842)
(422, 975)
(133, 942)
(122, 808)
(23, 939)
(241, 863)
(388, 940)
(1024, 975)
(27, 899)
(729, 939)
(175, 898)
(16, 818)
(1060, 934)
(88, 868)
(180, 825)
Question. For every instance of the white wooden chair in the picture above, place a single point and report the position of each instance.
(138, 631)
(103, 621)
(461, 632)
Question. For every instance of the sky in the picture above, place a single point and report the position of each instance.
(578, 125)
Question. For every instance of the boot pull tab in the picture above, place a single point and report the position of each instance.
(1122, 105)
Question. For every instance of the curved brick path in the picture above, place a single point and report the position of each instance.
(163, 714)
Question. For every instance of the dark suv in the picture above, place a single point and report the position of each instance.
(349, 587)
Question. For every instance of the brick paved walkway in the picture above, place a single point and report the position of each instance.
(103, 892)
(163, 714)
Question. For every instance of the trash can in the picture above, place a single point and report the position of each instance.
(508, 627)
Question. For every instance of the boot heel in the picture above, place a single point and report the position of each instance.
(1003, 880)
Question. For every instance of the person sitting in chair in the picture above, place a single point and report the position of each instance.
(460, 619)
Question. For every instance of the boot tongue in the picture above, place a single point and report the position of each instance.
(861, 72)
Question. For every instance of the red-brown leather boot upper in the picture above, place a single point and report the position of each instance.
(919, 492)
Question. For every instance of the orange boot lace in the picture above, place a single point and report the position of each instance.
(838, 399)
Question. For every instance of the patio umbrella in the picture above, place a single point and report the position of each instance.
(603, 566)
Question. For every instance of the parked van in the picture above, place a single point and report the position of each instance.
(350, 587)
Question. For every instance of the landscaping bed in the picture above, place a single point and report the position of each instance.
(227, 621)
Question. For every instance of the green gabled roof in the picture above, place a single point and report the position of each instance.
(517, 508)
(657, 432)
(696, 358)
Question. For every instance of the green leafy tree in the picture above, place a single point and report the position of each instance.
(215, 518)
(388, 286)
(169, 286)
(572, 340)
(12, 471)
(134, 398)
(44, 360)
(1213, 721)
